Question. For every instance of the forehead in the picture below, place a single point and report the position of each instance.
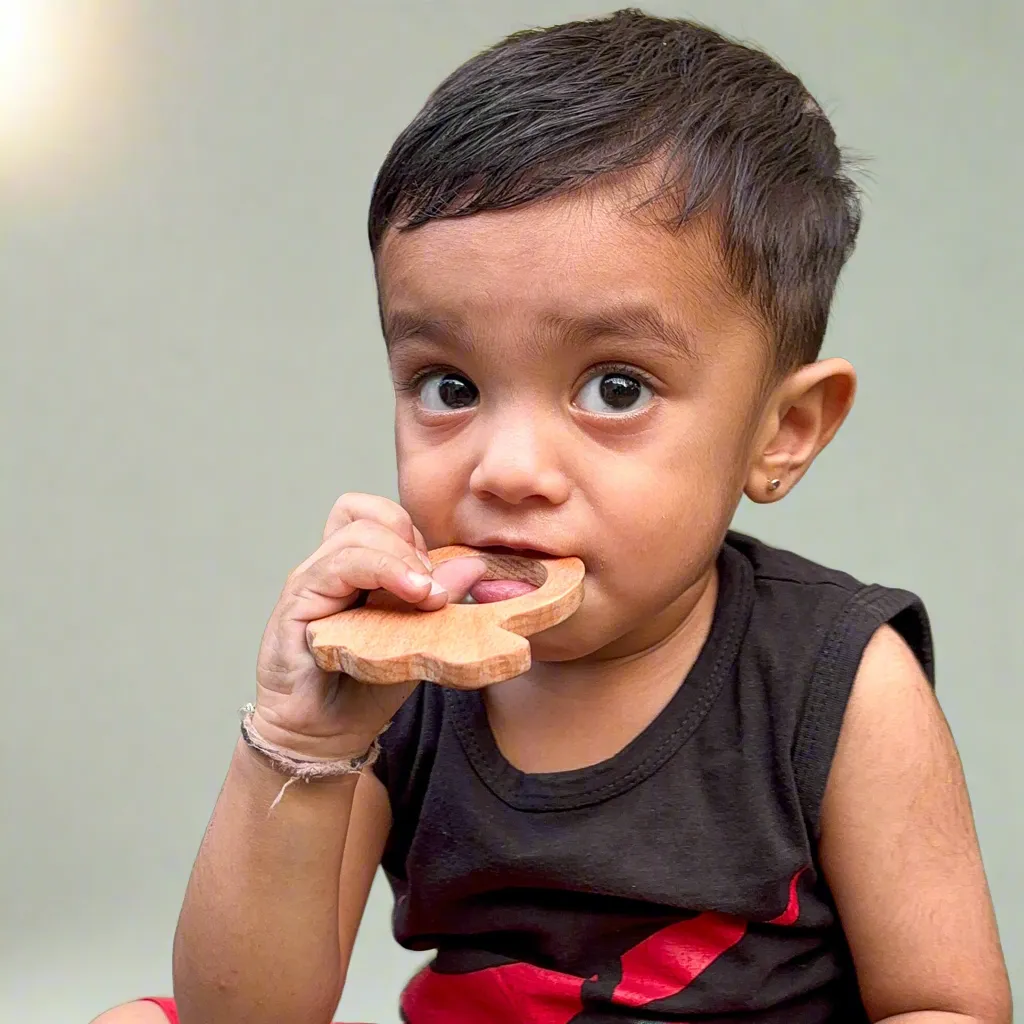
(560, 258)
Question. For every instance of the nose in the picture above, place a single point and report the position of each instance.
(519, 462)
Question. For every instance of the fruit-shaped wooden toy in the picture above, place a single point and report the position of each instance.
(466, 646)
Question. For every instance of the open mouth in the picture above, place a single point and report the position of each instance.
(489, 591)
(493, 588)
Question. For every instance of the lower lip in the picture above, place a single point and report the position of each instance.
(489, 591)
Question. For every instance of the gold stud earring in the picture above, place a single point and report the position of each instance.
(774, 485)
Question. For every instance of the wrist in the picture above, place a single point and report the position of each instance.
(334, 746)
(269, 778)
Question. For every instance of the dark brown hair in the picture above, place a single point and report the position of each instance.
(549, 111)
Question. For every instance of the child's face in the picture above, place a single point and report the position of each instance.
(574, 380)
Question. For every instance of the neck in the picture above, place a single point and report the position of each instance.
(610, 696)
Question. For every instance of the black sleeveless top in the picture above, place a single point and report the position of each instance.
(675, 881)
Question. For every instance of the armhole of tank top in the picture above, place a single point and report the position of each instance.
(839, 658)
(403, 770)
(399, 744)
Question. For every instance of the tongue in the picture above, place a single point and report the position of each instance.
(488, 591)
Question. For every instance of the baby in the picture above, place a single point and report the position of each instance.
(724, 791)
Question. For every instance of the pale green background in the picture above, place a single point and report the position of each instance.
(193, 371)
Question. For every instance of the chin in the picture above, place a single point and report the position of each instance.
(571, 640)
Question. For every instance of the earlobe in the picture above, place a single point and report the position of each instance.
(800, 420)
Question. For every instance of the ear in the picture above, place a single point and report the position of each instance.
(800, 419)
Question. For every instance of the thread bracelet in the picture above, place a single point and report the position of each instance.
(300, 767)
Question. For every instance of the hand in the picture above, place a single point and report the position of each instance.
(369, 542)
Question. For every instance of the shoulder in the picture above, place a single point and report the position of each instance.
(892, 722)
(899, 849)
(772, 564)
(825, 611)
(889, 670)
(812, 632)
(894, 735)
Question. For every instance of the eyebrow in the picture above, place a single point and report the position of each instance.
(402, 324)
(636, 320)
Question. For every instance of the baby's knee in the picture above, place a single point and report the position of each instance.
(139, 1012)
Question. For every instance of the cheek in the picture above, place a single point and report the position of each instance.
(427, 482)
(662, 513)
(691, 467)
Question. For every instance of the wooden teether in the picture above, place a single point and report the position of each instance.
(466, 646)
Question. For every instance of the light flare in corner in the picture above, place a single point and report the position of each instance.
(62, 65)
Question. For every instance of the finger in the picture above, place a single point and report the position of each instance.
(354, 506)
(458, 576)
(331, 583)
(360, 533)
(421, 545)
(365, 533)
(370, 534)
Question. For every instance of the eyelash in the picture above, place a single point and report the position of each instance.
(413, 382)
(625, 370)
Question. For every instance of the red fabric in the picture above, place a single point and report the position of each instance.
(657, 967)
(167, 1005)
(792, 911)
(498, 995)
(670, 959)
(660, 966)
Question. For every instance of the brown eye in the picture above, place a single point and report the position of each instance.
(610, 393)
(620, 392)
(446, 392)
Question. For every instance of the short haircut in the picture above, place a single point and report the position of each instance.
(548, 112)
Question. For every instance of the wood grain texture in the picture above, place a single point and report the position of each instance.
(466, 646)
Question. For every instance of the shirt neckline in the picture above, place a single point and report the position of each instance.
(642, 756)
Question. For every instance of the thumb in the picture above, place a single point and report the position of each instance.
(458, 576)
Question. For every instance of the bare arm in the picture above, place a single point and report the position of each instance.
(900, 853)
(367, 833)
(258, 937)
(275, 897)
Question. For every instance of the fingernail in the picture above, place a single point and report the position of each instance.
(417, 579)
(436, 588)
(426, 562)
